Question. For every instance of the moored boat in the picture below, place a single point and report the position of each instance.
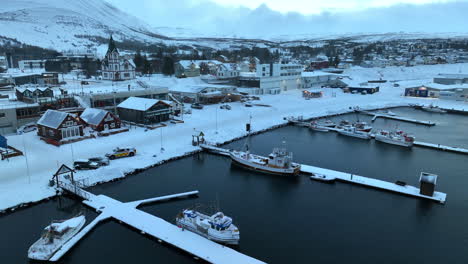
(395, 137)
(362, 126)
(433, 109)
(322, 177)
(54, 237)
(326, 123)
(279, 162)
(353, 132)
(217, 227)
(315, 127)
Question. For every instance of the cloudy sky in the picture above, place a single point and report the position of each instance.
(268, 18)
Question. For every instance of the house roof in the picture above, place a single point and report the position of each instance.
(52, 118)
(140, 104)
(93, 116)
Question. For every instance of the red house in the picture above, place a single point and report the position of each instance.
(99, 119)
(55, 125)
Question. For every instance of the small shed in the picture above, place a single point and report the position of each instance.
(99, 119)
(427, 182)
(58, 125)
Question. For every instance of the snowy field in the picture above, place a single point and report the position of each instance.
(20, 183)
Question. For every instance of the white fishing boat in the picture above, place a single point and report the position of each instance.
(396, 138)
(315, 127)
(54, 237)
(353, 132)
(433, 109)
(279, 162)
(217, 227)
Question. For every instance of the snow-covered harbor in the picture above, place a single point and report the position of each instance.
(153, 226)
(25, 179)
(330, 175)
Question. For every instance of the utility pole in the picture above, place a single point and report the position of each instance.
(162, 149)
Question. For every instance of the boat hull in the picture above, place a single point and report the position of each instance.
(393, 142)
(356, 135)
(190, 227)
(264, 169)
(434, 110)
(319, 129)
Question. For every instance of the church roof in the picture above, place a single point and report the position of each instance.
(112, 47)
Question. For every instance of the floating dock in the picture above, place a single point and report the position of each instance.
(153, 226)
(356, 179)
(399, 118)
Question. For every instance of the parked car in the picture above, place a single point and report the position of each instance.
(101, 161)
(364, 92)
(225, 106)
(85, 164)
(248, 105)
(27, 128)
(121, 153)
(197, 106)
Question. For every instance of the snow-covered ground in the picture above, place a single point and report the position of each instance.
(25, 179)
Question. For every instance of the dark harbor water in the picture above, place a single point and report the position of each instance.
(284, 220)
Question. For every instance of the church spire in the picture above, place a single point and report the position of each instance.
(112, 45)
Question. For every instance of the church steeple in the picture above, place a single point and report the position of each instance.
(112, 45)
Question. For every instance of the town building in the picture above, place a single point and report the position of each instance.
(206, 94)
(186, 68)
(14, 114)
(318, 79)
(115, 67)
(99, 119)
(227, 71)
(145, 111)
(3, 62)
(55, 126)
(31, 64)
(32, 94)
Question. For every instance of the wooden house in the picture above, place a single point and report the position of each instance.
(56, 125)
(186, 68)
(99, 119)
(145, 111)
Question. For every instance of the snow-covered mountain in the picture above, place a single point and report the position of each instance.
(75, 24)
(64, 24)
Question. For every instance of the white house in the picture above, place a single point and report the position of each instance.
(116, 67)
(227, 71)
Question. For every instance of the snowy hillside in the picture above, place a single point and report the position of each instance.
(63, 24)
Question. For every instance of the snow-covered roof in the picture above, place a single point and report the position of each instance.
(93, 116)
(52, 118)
(140, 104)
(316, 73)
(187, 63)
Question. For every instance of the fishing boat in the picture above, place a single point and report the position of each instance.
(433, 109)
(353, 132)
(362, 126)
(279, 162)
(387, 112)
(217, 227)
(395, 137)
(54, 237)
(316, 127)
(326, 123)
(344, 123)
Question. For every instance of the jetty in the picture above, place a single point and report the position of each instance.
(440, 147)
(396, 117)
(330, 175)
(150, 225)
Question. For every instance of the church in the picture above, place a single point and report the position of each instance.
(115, 67)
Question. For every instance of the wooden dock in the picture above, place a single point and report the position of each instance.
(153, 226)
(356, 179)
(398, 118)
(441, 147)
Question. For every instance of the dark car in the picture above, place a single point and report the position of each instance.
(85, 165)
(197, 106)
(101, 161)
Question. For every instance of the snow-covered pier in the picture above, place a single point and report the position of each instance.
(440, 147)
(398, 118)
(153, 226)
(330, 175)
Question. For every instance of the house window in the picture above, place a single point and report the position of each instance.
(127, 74)
(112, 125)
(105, 75)
(116, 67)
(51, 133)
(2, 115)
(126, 66)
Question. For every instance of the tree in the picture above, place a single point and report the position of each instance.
(87, 67)
(336, 62)
(147, 69)
(139, 61)
(168, 66)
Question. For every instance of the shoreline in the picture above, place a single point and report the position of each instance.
(25, 205)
